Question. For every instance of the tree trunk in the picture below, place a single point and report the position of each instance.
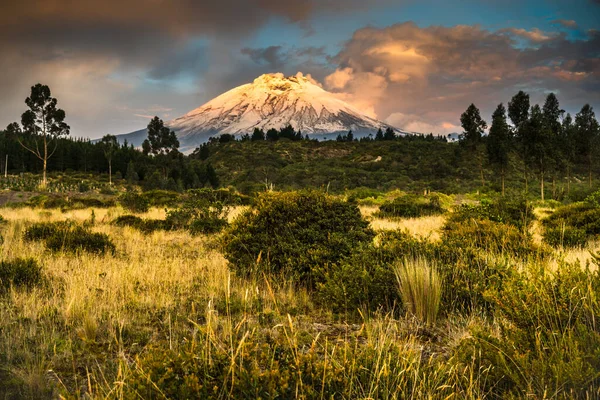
(502, 177)
(110, 172)
(542, 185)
(568, 180)
(45, 161)
(553, 187)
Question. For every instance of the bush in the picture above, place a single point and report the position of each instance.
(518, 213)
(294, 233)
(548, 341)
(467, 272)
(583, 216)
(411, 206)
(198, 214)
(134, 202)
(20, 273)
(67, 236)
(489, 236)
(565, 236)
(363, 280)
(161, 198)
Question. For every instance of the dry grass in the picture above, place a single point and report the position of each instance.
(85, 332)
(428, 227)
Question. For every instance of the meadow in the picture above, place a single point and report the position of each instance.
(168, 314)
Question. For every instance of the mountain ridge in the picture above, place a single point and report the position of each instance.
(270, 101)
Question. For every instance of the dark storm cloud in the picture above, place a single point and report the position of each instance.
(270, 56)
(109, 48)
(277, 56)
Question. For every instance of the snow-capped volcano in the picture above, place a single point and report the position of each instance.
(271, 101)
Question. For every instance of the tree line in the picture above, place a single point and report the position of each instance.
(546, 142)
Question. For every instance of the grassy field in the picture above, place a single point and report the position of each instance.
(164, 317)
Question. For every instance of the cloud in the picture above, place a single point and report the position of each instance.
(566, 23)
(535, 35)
(424, 78)
(165, 50)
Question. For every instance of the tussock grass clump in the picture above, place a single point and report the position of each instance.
(20, 273)
(420, 287)
(70, 237)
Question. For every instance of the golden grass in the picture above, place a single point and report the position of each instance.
(86, 329)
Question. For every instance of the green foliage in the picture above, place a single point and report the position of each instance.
(69, 237)
(161, 198)
(141, 224)
(200, 213)
(412, 206)
(293, 233)
(572, 225)
(518, 212)
(20, 273)
(565, 236)
(365, 280)
(134, 202)
(548, 342)
(489, 236)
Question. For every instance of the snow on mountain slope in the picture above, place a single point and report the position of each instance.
(271, 101)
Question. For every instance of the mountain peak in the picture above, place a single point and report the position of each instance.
(272, 101)
(279, 82)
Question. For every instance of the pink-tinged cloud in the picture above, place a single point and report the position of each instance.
(422, 79)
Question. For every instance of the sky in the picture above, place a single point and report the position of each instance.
(417, 65)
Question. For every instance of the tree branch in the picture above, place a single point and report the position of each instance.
(37, 154)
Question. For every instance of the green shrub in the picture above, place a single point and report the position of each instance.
(363, 280)
(489, 236)
(134, 202)
(548, 341)
(144, 225)
(565, 236)
(518, 213)
(67, 236)
(583, 216)
(293, 233)
(20, 273)
(43, 230)
(411, 206)
(80, 239)
(198, 214)
(162, 198)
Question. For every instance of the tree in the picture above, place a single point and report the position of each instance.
(162, 143)
(272, 135)
(109, 145)
(537, 143)
(499, 140)
(518, 112)
(567, 147)
(552, 114)
(43, 122)
(389, 134)
(161, 140)
(258, 134)
(587, 134)
(379, 134)
(474, 127)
